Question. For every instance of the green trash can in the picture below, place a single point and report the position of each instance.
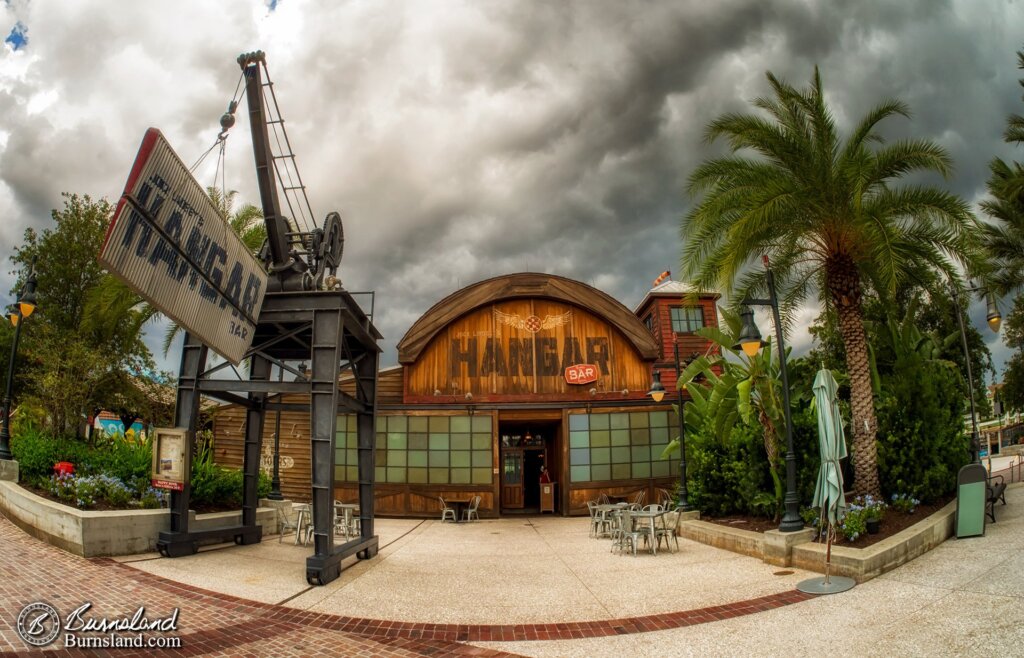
(970, 501)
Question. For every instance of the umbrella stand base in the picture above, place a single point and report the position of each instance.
(817, 585)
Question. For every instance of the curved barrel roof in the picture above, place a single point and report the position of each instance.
(525, 285)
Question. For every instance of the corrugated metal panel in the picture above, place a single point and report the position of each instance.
(169, 244)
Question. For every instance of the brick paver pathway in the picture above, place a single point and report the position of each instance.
(217, 624)
(208, 623)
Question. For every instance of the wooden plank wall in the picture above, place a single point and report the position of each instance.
(229, 435)
(419, 500)
(492, 354)
(688, 343)
(579, 494)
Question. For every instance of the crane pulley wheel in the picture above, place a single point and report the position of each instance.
(333, 243)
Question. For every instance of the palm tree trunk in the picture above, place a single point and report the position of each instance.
(844, 285)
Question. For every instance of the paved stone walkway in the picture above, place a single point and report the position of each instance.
(218, 624)
(210, 624)
(439, 589)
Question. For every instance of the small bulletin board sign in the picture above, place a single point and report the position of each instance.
(170, 458)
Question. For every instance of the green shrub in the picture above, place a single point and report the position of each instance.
(36, 452)
(216, 485)
(921, 443)
(121, 458)
(728, 477)
(118, 472)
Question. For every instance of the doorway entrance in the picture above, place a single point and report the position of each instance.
(525, 447)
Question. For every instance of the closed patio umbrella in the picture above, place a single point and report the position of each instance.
(828, 493)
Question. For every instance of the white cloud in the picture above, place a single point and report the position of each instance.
(462, 140)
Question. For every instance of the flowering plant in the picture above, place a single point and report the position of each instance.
(861, 510)
(87, 490)
(874, 509)
(904, 503)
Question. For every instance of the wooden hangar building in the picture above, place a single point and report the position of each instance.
(498, 379)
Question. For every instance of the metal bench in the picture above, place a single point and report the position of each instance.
(995, 490)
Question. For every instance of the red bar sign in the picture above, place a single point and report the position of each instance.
(581, 373)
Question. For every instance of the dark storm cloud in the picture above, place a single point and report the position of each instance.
(467, 140)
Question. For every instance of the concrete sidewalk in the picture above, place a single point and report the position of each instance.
(517, 584)
(524, 570)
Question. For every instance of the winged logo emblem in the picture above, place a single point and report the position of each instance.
(533, 323)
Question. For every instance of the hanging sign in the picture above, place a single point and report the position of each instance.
(170, 459)
(168, 242)
(581, 373)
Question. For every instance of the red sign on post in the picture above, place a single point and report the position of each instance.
(581, 373)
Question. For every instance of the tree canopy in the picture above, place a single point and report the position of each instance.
(829, 214)
(72, 360)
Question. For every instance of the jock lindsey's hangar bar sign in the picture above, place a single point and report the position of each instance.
(169, 243)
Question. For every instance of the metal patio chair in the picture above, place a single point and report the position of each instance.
(670, 533)
(286, 523)
(447, 512)
(592, 508)
(473, 508)
(624, 535)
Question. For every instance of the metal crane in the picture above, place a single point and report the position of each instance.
(306, 316)
(297, 259)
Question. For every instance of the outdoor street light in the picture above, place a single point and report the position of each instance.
(750, 342)
(994, 322)
(994, 319)
(657, 394)
(275, 479)
(657, 391)
(26, 304)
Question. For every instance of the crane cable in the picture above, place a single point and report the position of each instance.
(294, 185)
(221, 141)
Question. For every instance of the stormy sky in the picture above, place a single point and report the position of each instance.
(464, 140)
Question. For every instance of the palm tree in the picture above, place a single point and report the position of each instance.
(827, 214)
(1005, 238)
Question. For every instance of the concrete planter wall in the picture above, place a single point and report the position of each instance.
(797, 548)
(94, 534)
(865, 563)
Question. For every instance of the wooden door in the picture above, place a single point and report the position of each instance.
(512, 478)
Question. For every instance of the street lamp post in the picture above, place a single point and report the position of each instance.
(994, 321)
(657, 393)
(750, 342)
(26, 304)
(275, 479)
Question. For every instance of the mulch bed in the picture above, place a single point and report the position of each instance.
(892, 523)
